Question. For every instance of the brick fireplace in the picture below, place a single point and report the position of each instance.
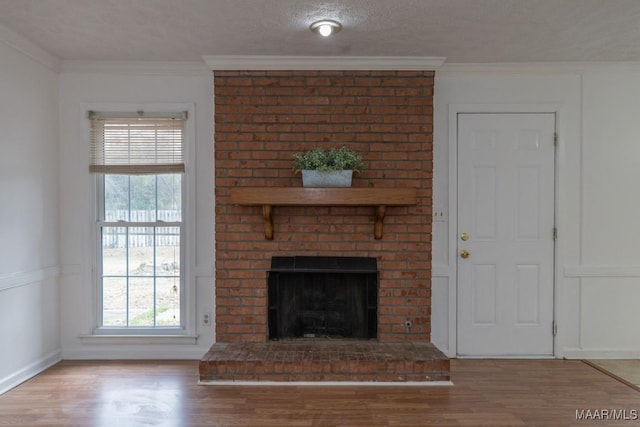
(261, 119)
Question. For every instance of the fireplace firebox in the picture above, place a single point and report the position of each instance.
(322, 297)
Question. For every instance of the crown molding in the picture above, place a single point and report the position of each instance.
(537, 67)
(28, 48)
(262, 62)
(145, 68)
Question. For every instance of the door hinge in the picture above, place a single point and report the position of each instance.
(555, 233)
(554, 328)
(555, 139)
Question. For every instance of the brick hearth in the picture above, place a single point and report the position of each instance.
(324, 360)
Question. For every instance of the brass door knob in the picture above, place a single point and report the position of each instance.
(464, 254)
(464, 237)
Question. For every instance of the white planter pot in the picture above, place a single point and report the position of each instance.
(312, 178)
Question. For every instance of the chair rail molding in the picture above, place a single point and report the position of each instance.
(602, 271)
(23, 278)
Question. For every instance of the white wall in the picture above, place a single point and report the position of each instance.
(92, 84)
(597, 270)
(29, 267)
(46, 201)
(609, 267)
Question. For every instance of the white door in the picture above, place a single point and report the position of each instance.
(505, 234)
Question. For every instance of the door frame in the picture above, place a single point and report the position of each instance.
(453, 111)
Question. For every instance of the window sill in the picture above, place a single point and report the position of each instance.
(139, 339)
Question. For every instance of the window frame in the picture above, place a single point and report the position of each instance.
(100, 224)
(188, 324)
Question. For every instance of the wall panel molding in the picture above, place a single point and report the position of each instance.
(602, 271)
(441, 270)
(70, 270)
(23, 278)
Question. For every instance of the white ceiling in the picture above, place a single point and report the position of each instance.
(460, 30)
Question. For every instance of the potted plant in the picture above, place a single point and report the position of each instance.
(327, 168)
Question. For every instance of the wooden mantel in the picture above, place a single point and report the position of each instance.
(268, 197)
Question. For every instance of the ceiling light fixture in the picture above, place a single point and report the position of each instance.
(325, 27)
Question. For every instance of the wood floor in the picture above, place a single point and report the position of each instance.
(161, 393)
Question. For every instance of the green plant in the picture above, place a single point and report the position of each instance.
(146, 318)
(334, 159)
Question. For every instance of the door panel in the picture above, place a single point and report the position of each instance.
(484, 294)
(506, 206)
(484, 202)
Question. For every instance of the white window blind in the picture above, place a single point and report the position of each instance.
(137, 143)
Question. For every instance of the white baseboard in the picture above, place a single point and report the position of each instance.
(581, 353)
(440, 270)
(139, 352)
(29, 371)
(328, 383)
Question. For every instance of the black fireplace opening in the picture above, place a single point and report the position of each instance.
(323, 297)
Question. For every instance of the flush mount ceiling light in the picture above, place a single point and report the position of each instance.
(325, 27)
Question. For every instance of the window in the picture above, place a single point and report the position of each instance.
(139, 163)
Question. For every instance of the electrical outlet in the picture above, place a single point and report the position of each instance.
(439, 214)
(206, 319)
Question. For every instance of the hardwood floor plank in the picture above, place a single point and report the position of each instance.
(165, 393)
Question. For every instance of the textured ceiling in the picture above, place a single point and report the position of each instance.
(460, 30)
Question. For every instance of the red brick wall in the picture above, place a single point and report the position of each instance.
(261, 119)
